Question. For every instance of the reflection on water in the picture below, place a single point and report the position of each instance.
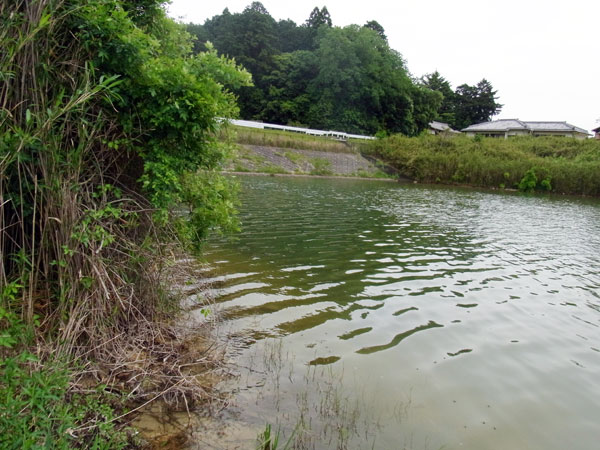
(483, 308)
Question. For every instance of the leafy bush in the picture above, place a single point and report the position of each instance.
(37, 409)
(105, 119)
(96, 153)
(529, 181)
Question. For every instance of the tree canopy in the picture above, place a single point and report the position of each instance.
(323, 76)
(319, 17)
(467, 104)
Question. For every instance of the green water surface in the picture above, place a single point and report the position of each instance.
(451, 318)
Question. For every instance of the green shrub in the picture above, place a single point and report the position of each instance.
(108, 125)
(529, 181)
(321, 166)
(37, 409)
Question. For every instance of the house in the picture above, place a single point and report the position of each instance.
(596, 133)
(440, 128)
(514, 127)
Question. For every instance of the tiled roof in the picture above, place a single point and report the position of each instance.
(554, 126)
(504, 125)
(498, 125)
(441, 126)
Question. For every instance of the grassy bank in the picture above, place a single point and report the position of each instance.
(287, 140)
(560, 165)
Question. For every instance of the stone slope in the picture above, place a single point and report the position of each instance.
(255, 158)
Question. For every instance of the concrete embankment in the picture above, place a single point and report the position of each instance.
(261, 159)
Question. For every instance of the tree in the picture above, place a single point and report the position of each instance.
(251, 38)
(319, 18)
(287, 100)
(437, 83)
(426, 106)
(475, 104)
(362, 85)
(257, 7)
(291, 37)
(200, 34)
(377, 28)
(323, 76)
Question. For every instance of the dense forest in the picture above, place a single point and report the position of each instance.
(328, 77)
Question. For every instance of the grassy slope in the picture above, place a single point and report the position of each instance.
(297, 150)
(562, 165)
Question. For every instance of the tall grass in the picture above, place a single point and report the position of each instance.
(69, 223)
(83, 251)
(569, 166)
(287, 139)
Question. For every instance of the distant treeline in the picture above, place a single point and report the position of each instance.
(327, 77)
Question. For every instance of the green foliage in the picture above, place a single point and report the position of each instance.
(361, 86)
(475, 104)
(377, 28)
(38, 412)
(566, 166)
(104, 114)
(269, 441)
(531, 182)
(528, 182)
(318, 18)
(12, 330)
(286, 139)
(133, 108)
(322, 76)
(437, 83)
(466, 105)
(296, 158)
(211, 202)
(271, 169)
(321, 166)
(37, 409)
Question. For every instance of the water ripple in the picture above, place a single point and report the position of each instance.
(499, 294)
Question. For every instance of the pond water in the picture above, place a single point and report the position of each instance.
(365, 314)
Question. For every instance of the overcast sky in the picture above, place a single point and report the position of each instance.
(543, 57)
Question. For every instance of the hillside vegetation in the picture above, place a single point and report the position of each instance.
(323, 76)
(560, 165)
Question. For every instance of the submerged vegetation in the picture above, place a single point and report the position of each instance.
(560, 165)
(107, 123)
